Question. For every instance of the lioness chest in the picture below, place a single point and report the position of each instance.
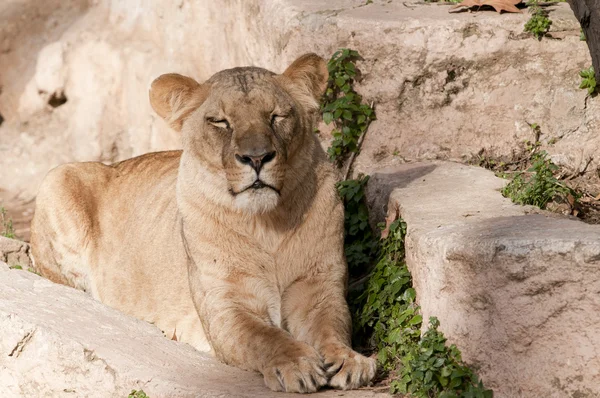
(135, 258)
(149, 269)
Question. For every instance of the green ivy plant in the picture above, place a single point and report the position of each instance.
(537, 186)
(20, 267)
(359, 243)
(343, 106)
(539, 23)
(427, 366)
(432, 369)
(137, 394)
(6, 223)
(388, 306)
(386, 311)
(588, 80)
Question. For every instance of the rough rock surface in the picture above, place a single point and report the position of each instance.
(445, 85)
(59, 342)
(14, 252)
(519, 293)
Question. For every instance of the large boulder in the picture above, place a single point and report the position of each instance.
(445, 85)
(518, 292)
(59, 342)
(15, 253)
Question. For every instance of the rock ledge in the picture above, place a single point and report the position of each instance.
(517, 292)
(59, 342)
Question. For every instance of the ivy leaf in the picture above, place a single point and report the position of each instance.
(455, 382)
(350, 69)
(409, 295)
(443, 381)
(382, 356)
(428, 376)
(416, 320)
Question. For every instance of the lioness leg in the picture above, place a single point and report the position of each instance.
(242, 333)
(318, 314)
(62, 227)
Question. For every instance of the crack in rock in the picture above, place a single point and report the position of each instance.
(90, 356)
(18, 349)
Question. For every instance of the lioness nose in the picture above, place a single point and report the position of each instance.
(256, 161)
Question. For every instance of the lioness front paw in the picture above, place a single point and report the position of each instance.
(297, 370)
(349, 370)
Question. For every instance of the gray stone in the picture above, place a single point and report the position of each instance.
(519, 293)
(14, 252)
(59, 342)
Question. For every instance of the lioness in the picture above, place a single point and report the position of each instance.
(234, 244)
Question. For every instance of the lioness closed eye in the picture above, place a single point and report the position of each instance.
(234, 244)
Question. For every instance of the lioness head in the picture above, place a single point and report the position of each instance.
(247, 127)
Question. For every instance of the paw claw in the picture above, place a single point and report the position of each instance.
(299, 372)
(334, 367)
(354, 370)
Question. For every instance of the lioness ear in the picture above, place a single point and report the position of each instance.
(309, 75)
(174, 97)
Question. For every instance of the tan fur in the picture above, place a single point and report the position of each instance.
(178, 239)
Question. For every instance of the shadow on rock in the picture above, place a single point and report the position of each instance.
(384, 181)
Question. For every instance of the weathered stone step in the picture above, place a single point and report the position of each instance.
(59, 342)
(519, 293)
(14, 252)
(444, 84)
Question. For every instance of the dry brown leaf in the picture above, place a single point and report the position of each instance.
(174, 338)
(498, 5)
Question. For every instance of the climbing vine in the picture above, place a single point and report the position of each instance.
(421, 365)
(360, 244)
(343, 106)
